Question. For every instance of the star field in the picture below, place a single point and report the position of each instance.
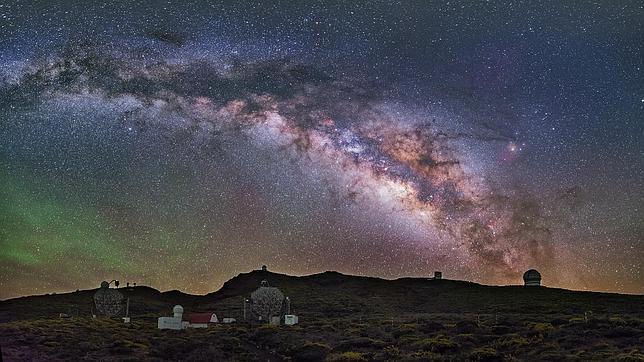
(177, 144)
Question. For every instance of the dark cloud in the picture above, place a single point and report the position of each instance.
(167, 36)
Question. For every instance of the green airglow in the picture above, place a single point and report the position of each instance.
(37, 229)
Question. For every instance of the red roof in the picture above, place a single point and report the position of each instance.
(199, 318)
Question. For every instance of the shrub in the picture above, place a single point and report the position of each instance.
(541, 327)
(391, 352)
(422, 356)
(617, 320)
(513, 342)
(431, 327)
(485, 354)
(466, 327)
(209, 353)
(359, 343)
(51, 344)
(500, 330)
(620, 331)
(436, 344)
(347, 357)
(628, 357)
(558, 322)
(312, 351)
(267, 335)
(404, 329)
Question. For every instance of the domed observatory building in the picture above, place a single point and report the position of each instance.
(532, 278)
(174, 322)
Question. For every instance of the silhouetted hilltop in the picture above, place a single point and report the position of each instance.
(332, 294)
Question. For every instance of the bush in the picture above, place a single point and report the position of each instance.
(347, 357)
(513, 342)
(617, 320)
(360, 343)
(431, 327)
(422, 356)
(436, 344)
(312, 351)
(541, 328)
(628, 357)
(622, 332)
(558, 322)
(404, 329)
(267, 336)
(500, 330)
(485, 354)
(466, 327)
(391, 352)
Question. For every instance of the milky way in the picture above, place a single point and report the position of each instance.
(180, 158)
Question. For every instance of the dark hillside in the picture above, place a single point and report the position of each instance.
(342, 318)
(332, 294)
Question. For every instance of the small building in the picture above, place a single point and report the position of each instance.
(532, 278)
(170, 323)
(200, 320)
(290, 319)
(179, 321)
(174, 322)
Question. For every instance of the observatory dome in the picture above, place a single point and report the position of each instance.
(177, 310)
(532, 278)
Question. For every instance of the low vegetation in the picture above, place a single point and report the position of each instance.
(521, 337)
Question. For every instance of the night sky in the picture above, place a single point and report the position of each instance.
(177, 144)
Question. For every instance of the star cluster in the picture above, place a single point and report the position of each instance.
(178, 144)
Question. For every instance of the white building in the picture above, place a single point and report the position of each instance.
(290, 319)
(179, 321)
(174, 322)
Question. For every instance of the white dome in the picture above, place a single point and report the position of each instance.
(177, 309)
